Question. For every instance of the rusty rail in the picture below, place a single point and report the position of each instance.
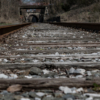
(86, 26)
(5, 31)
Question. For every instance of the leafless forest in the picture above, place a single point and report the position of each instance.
(9, 10)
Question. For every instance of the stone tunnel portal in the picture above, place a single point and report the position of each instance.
(32, 17)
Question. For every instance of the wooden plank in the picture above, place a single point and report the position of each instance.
(93, 43)
(50, 83)
(53, 51)
(21, 66)
(74, 56)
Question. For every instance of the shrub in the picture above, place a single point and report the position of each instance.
(65, 7)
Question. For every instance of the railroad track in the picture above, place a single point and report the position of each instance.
(6, 31)
(48, 62)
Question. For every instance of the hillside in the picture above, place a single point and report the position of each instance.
(85, 14)
(75, 10)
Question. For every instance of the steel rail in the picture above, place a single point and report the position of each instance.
(86, 26)
(5, 31)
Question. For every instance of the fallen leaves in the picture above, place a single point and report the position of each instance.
(14, 88)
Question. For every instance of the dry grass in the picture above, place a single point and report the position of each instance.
(8, 21)
(86, 14)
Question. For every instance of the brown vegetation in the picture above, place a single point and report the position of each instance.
(76, 10)
(85, 14)
(9, 11)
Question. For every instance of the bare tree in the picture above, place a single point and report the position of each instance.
(9, 9)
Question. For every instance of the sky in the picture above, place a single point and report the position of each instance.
(28, 1)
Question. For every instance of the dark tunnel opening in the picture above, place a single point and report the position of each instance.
(33, 19)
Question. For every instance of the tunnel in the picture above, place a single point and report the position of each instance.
(33, 19)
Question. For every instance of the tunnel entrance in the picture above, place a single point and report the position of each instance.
(38, 9)
(33, 19)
